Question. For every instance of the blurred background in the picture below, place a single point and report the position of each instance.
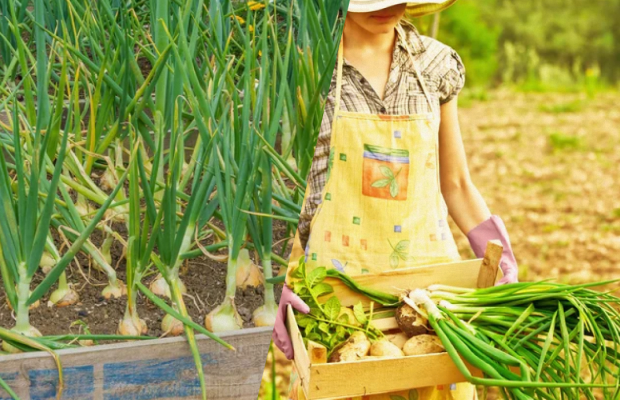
(541, 128)
(533, 45)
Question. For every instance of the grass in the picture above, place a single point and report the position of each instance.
(559, 142)
(469, 96)
(573, 106)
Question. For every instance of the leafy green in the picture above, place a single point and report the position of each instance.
(327, 322)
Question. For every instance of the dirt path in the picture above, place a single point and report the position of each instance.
(548, 164)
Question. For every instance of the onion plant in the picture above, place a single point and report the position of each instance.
(25, 220)
(70, 225)
(168, 225)
(235, 185)
(260, 221)
(64, 295)
(236, 153)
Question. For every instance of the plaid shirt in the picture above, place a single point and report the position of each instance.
(444, 76)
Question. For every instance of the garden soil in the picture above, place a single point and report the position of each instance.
(204, 278)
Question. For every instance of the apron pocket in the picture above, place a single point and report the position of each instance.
(385, 173)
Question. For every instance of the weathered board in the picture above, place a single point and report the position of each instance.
(150, 370)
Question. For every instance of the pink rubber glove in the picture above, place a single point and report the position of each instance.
(280, 335)
(494, 228)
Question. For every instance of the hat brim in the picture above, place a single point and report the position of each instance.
(414, 9)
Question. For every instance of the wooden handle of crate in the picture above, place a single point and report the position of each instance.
(490, 264)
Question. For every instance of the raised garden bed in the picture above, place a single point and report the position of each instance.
(154, 369)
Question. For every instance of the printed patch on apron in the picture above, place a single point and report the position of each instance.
(385, 173)
(430, 161)
(330, 163)
(338, 265)
(400, 252)
(345, 241)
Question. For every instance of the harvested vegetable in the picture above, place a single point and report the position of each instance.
(410, 321)
(386, 349)
(423, 344)
(353, 349)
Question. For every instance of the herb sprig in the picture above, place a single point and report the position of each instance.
(328, 323)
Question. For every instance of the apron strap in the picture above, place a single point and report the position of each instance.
(416, 70)
(402, 33)
(339, 75)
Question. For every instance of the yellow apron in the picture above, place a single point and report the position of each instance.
(382, 207)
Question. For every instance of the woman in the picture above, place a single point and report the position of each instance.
(390, 165)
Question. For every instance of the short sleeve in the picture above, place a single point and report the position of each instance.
(453, 80)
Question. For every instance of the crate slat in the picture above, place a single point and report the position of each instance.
(360, 378)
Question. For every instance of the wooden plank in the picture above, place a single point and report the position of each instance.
(317, 352)
(385, 324)
(366, 377)
(490, 264)
(461, 274)
(155, 369)
(302, 359)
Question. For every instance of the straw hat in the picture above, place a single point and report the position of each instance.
(414, 8)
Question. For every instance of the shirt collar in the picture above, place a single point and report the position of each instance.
(412, 37)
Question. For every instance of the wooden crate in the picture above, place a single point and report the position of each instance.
(321, 380)
(155, 369)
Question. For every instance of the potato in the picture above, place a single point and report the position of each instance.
(410, 322)
(353, 349)
(399, 339)
(423, 344)
(385, 349)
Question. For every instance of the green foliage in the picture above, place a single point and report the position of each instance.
(540, 45)
(326, 323)
(560, 141)
(563, 108)
(466, 28)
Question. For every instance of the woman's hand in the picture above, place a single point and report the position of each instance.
(493, 228)
(280, 335)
